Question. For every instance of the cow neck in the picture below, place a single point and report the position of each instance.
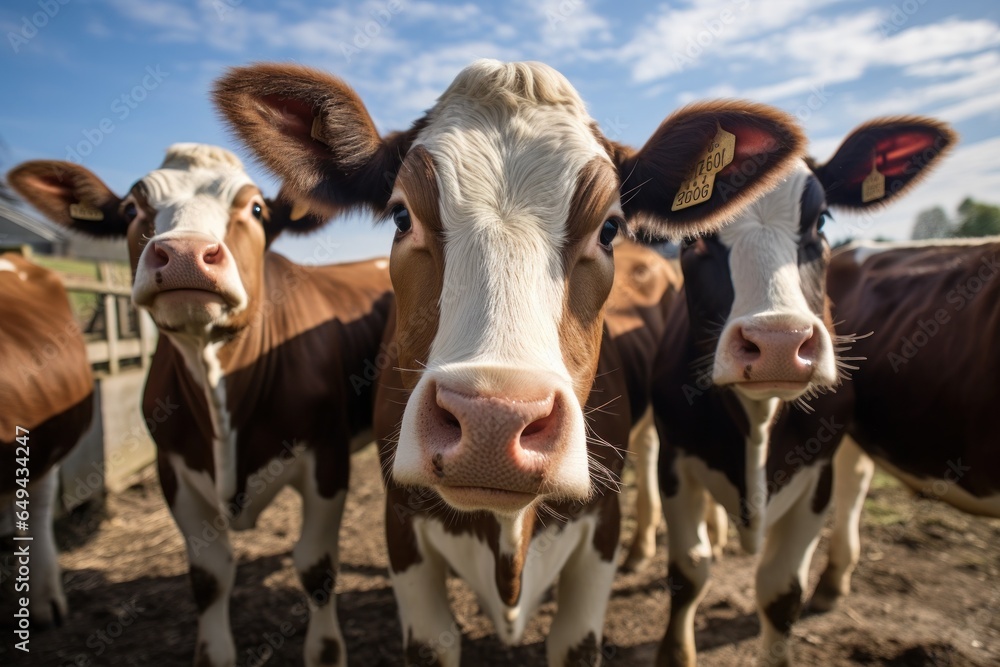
(206, 373)
(761, 416)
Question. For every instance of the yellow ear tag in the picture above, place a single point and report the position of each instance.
(299, 211)
(85, 212)
(317, 129)
(697, 187)
(873, 187)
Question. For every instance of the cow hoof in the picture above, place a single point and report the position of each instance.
(825, 598)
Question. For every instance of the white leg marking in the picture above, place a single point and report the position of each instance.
(852, 475)
(717, 522)
(690, 557)
(429, 629)
(583, 593)
(210, 557)
(48, 601)
(644, 447)
(784, 567)
(316, 557)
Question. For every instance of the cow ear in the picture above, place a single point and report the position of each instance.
(882, 159)
(288, 213)
(740, 150)
(69, 195)
(313, 131)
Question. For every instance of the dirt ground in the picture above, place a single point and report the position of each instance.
(927, 592)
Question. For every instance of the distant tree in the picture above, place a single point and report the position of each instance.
(977, 219)
(932, 223)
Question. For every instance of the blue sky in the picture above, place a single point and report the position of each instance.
(120, 80)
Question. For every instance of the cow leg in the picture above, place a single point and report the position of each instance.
(782, 573)
(644, 447)
(316, 559)
(431, 637)
(48, 601)
(582, 599)
(689, 560)
(717, 523)
(852, 475)
(211, 566)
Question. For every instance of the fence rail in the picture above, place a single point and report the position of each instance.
(127, 337)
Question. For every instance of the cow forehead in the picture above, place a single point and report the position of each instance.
(508, 142)
(194, 198)
(779, 212)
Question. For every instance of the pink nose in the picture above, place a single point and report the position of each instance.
(187, 263)
(509, 443)
(770, 354)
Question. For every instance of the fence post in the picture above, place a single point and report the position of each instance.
(110, 319)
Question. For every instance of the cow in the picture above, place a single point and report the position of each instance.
(254, 381)
(925, 406)
(500, 457)
(745, 389)
(47, 399)
(636, 314)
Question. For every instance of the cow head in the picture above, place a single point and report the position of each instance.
(756, 289)
(196, 229)
(505, 197)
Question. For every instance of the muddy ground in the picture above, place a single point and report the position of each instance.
(927, 592)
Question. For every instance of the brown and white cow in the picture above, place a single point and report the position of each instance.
(926, 395)
(744, 390)
(46, 404)
(505, 197)
(255, 360)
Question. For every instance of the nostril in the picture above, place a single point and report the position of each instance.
(809, 348)
(160, 255)
(212, 254)
(537, 426)
(446, 418)
(745, 346)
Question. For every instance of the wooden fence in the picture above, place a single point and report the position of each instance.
(117, 334)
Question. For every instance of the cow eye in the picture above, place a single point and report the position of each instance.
(824, 218)
(130, 212)
(258, 211)
(401, 218)
(609, 231)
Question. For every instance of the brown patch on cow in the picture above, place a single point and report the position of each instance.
(588, 279)
(784, 610)
(585, 654)
(331, 652)
(608, 528)
(747, 370)
(318, 581)
(418, 272)
(824, 489)
(419, 654)
(205, 586)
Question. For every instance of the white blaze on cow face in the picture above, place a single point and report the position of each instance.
(776, 342)
(496, 419)
(186, 275)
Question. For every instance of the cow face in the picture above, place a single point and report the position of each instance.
(761, 280)
(505, 198)
(195, 229)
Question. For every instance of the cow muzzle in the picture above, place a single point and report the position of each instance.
(191, 277)
(773, 357)
(490, 449)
